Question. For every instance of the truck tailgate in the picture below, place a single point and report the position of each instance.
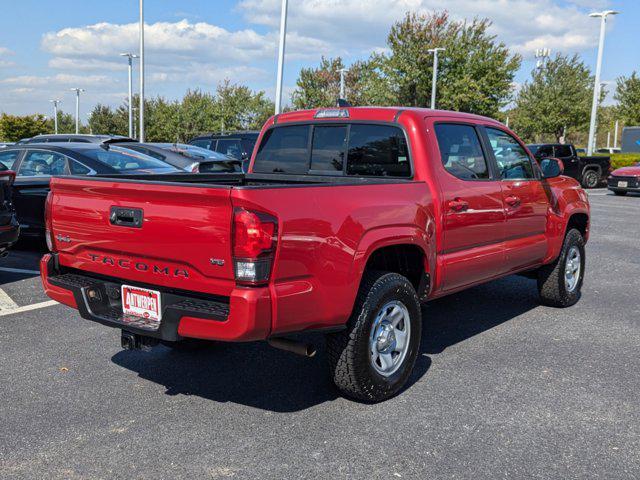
(177, 236)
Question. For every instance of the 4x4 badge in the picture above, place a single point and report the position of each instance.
(218, 262)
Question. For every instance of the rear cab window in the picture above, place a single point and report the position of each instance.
(349, 149)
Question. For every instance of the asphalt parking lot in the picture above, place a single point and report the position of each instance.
(504, 388)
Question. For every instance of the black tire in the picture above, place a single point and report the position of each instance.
(349, 352)
(590, 179)
(551, 278)
(621, 193)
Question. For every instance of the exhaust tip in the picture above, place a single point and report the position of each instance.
(299, 348)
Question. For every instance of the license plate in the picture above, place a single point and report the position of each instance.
(623, 184)
(142, 303)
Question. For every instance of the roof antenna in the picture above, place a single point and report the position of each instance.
(342, 103)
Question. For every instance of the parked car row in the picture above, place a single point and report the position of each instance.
(27, 166)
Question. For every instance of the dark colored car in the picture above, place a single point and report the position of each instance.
(624, 180)
(35, 164)
(189, 158)
(75, 138)
(589, 171)
(238, 145)
(9, 226)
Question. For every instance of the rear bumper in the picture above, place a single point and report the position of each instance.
(244, 316)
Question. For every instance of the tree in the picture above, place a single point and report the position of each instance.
(104, 120)
(320, 87)
(628, 97)
(475, 72)
(557, 97)
(66, 123)
(14, 127)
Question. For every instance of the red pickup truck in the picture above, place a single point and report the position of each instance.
(348, 219)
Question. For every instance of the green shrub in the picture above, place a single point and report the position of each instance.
(619, 160)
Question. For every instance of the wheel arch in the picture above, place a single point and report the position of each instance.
(403, 250)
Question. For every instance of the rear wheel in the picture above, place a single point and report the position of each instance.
(590, 179)
(373, 357)
(560, 283)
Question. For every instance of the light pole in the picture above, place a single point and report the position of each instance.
(615, 136)
(342, 72)
(141, 126)
(130, 57)
(78, 91)
(435, 74)
(596, 82)
(281, 46)
(55, 114)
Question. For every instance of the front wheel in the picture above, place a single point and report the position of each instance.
(560, 283)
(590, 179)
(373, 357)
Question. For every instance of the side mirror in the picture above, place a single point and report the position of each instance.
(551, 167)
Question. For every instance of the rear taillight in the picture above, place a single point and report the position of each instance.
(48, 232)
(7, 177)
(254, 244)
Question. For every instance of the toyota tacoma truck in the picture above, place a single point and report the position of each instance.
(348, 220)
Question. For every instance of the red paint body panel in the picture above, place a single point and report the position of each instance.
(326, 232)
(632, 171)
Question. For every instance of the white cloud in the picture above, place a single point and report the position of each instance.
(168, 42)
(523, 25)
(5, 51)
(59, 80)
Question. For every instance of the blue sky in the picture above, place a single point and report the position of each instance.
(48, 47)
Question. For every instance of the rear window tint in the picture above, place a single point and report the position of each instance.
(370, 150)
(327, 149)
(284, 150)
(378, 150)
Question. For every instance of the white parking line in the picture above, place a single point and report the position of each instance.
(6, 303)
(27, 308)
(19, 270)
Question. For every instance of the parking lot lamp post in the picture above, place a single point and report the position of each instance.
(78, 91)
(281, 47)
(141, 123)
(130, 57)
(596, 82)
(342, 72)
(435, 74)
(615, 135)
(55, 115)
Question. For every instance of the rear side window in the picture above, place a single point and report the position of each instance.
(461, 152)
(203, 143)
(42, 163)
(78, 169)
(284, 150)
(543, 151)
(231, 148)
(563, 151)
(378, 150)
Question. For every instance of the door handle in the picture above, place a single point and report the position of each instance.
(458, 205)
(512, 201)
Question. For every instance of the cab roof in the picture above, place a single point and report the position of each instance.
(380, 114)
